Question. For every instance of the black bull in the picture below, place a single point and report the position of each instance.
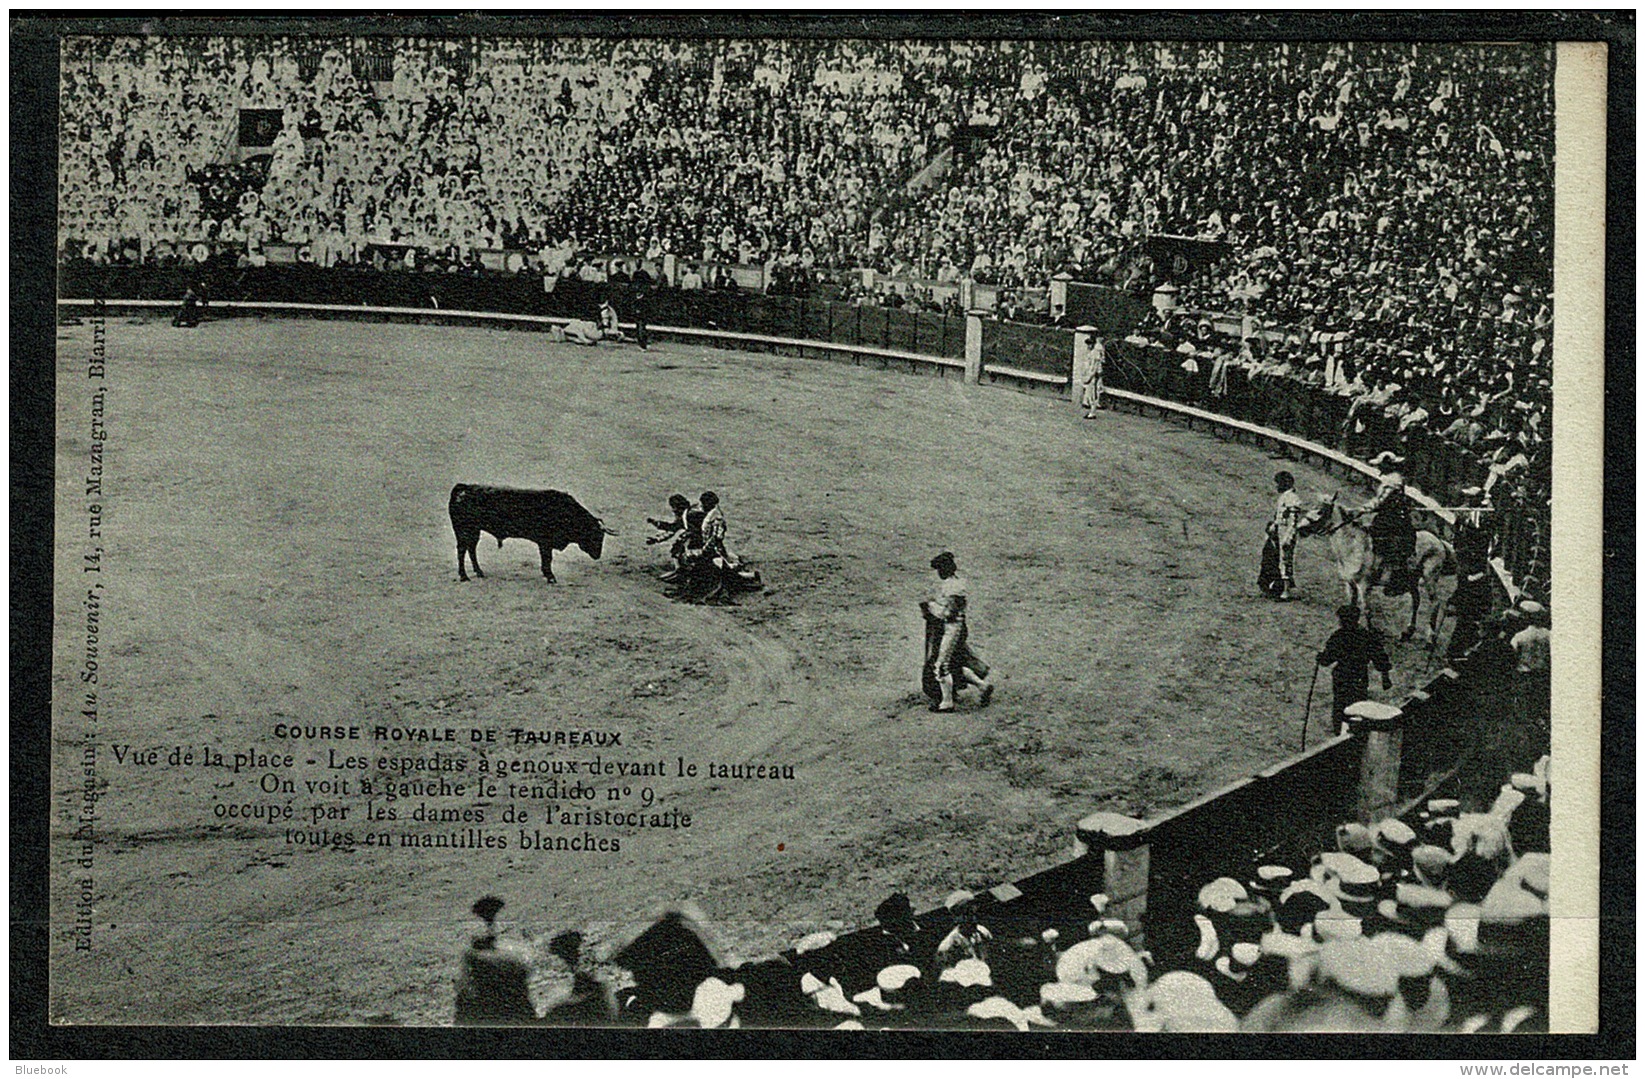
(553, 520)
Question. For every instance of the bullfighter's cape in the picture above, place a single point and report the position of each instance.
(963, 657)
(1269, 582)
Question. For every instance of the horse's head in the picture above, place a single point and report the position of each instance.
(1318, 518)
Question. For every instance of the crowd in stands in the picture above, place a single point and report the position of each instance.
(1437, 924)
(1389, 210)
(1492, 402)
(1338, 170)
(1388, 205)
(1392, 229)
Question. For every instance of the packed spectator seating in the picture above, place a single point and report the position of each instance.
(1436, 924)
(1367, 161)
(1388, 205)
(1389, 210)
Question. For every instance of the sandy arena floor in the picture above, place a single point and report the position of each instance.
(278, 550)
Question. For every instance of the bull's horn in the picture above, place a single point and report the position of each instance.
(607, 531)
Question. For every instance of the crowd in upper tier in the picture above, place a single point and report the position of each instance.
(1365, 177)
(1388, 206)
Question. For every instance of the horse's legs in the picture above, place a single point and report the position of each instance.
(1351, 590)
(1416, 602)
(1438, 600)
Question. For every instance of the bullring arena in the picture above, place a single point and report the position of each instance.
(278, 552)
(333, 307)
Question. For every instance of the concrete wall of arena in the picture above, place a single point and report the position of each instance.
(1447, 743)
(1451, 736)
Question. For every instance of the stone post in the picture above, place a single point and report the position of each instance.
(1121, 843)
(1379, 728)
(1059, 291)
(973, 347)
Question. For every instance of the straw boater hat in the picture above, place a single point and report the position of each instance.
(1430, 864)
(1103, 959)
(1391, 833)
(968, 973)
(713, 1001)
(895, 978)
(1354, 838)
(1270, 880)
(813, 942)
(1221, 895)
(1416, 905)
(899, 985)
(1179, 1001)
(1393, 840)
(1240, 959)
(1356, 883)
(999, 1008)
(1066, 996)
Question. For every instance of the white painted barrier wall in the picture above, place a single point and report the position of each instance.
(940, 364)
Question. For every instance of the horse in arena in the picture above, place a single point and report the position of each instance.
(1358, 564)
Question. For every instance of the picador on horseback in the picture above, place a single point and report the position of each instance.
(1393, 536)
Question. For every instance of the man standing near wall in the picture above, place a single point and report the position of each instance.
(640, 301)
(1350, 652)
(1088, 373)
(1283, 529)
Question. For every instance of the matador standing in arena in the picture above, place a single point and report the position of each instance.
(948, 607)
(1283, 528)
